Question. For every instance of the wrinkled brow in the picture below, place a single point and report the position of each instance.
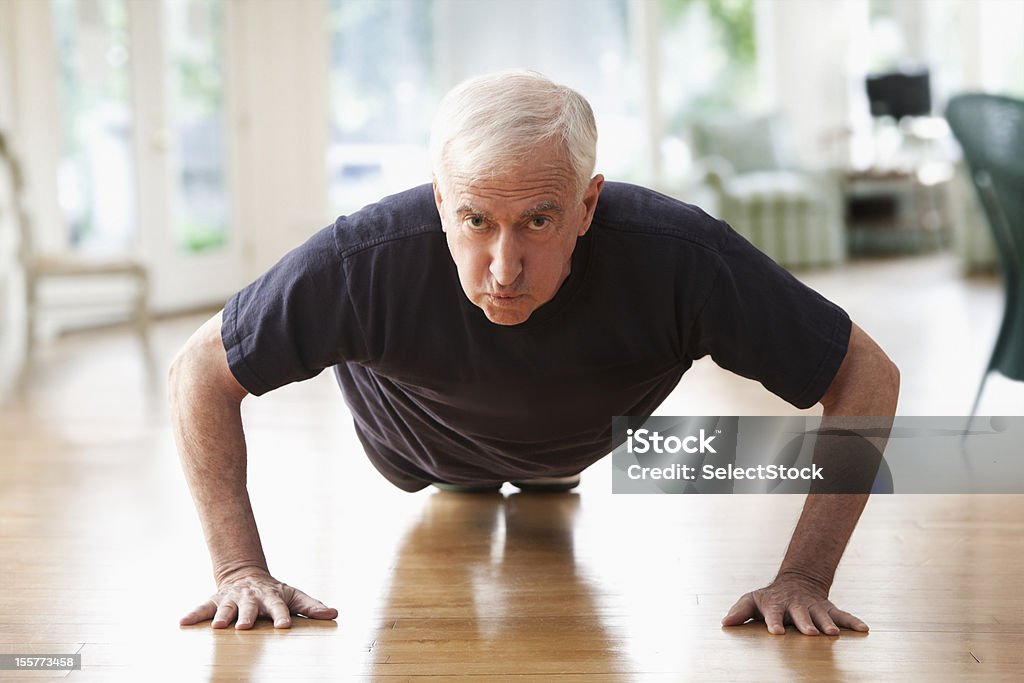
(544, 207)
(468, 208)
(548, 206)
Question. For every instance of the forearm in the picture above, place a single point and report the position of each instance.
(828, 519)
(207, 424)
(866, 406)
(821, 535)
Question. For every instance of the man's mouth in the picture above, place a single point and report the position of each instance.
(501, 299)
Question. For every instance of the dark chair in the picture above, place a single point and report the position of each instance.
(990, 129)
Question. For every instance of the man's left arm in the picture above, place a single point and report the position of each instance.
(866, 384)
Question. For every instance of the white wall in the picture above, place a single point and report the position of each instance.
(808, 48)
(32, 52)
(28, 98)
(6, 116)
(8, 266)
(278, 79)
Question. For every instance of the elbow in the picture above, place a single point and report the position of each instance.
(201, 369)
(893, 383)
(883, 385)
(894, 376)
(867, 382)
(189, 366)
(178, 373)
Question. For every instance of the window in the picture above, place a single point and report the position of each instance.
(709, 57)
(383, 94)
(194, 32)
(392, 61)
(966, 44)
(707, 67)
(96, 175)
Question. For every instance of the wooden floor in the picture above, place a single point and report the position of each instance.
(101, 551)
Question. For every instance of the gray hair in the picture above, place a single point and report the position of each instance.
(497, 119)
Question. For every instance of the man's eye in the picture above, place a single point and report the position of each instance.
(539, 222)
(476, 221)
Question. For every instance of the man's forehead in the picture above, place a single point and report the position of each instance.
(537, 174)
(547, 188)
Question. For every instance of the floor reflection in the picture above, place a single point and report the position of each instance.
(482, 576)
(246, 654)
(793, 655)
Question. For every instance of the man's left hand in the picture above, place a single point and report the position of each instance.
(793, 601)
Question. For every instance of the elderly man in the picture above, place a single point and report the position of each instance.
(486, 329)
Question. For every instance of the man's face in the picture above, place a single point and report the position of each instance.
(512, 235)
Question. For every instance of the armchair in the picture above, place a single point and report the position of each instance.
(793, 215)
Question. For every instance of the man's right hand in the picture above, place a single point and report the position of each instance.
(245, 596)
(205, 401)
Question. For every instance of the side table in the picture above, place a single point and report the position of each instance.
(898, 210)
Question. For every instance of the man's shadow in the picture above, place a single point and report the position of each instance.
(487, 583)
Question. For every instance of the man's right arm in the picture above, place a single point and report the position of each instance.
(205, 402)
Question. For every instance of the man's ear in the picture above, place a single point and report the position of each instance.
(438, 200)
(590, 202)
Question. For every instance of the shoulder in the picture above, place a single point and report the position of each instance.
(395, 219)
(625, 210)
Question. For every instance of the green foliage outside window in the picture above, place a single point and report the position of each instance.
(709, 54)
(195, 236)
(734, 18)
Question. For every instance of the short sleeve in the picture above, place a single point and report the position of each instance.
(760, 322)
(292, 322)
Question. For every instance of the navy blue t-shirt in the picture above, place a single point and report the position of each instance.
(441, 394)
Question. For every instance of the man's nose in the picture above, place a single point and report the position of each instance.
(506, 260)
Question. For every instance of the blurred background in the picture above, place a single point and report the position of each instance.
(160, 154)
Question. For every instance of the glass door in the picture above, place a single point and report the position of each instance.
(184, 148)
(144, 141)
(96, 171)
(194, 69)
